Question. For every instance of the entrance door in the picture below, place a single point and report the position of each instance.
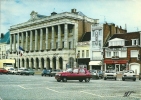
(117, 66)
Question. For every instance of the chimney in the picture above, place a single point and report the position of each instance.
(73, 10)
(53, 13)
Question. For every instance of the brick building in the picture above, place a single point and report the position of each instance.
(122, 52)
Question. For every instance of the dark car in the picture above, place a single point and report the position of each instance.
(96, 74)
(46, 72)
(54, 72)
(139, 76)
(27, 72)
(76, 74)
(3, 71)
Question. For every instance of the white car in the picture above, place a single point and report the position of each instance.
(12, 71)
(129, 74)
(110, 74)
(19, 71)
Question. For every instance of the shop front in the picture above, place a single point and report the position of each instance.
(117, 65)
(95, 65)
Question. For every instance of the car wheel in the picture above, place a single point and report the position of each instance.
(104, 78)
(58, 80)
(64, 79)
(80, 80)
(134, 79)
(123, 79)
(87, 79)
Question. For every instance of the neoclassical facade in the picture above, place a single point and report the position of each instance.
(49, 41)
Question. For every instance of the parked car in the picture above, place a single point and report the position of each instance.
(96, 74)
(54, 72)
(110, 74)
(139, 76)
(12, 70)
(19, 71)
(46, 72)
(3, 71)
(76, 74)
(27, 72)
(129, 74)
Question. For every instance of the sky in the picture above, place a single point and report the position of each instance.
(120, 12)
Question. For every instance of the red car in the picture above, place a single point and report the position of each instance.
(3, 71)
(74, 74)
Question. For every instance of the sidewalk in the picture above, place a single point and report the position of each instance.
(38, 72)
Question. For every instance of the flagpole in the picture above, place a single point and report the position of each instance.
(18, 49)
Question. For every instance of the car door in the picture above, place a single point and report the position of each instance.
(73, 75)
(81, 73)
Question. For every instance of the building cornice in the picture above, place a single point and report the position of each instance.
(65, 15)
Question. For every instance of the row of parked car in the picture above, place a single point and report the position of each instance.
(20, 71)
(112, 74)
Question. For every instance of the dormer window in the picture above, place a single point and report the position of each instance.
(134, 41)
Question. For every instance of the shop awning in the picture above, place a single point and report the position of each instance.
(95, 63)
(115, 61)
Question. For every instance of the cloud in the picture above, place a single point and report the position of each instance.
(120, 12)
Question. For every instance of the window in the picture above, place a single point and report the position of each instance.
(87, 53)
(93, 43)
(134, 41)
(123, 53)
(99, 43)
(134, 53)
(93, 33)
(115, 53)
(63, 44)
(69, 45)
(108, 54)
(82, 53)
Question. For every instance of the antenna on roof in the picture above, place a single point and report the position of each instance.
(125, 27)
(104, 18)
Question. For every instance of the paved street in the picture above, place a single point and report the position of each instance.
(17, 87)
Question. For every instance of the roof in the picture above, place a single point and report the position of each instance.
(127, 36)
(6, 38)
(86, 37)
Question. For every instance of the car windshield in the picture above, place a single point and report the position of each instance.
(110, 71)
(75, 71)
(69, 70)
(11, 68)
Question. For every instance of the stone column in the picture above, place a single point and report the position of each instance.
(11, 39)
(75, 35)
(40, 63)
(47, 39)
(59, 37)
(22, 42)
(36, 40)
(17, 63)
(14, 42)
(51, 64)
(35, 63)
(31, 40)
(26, 48)
(21, 63)
(66, 36)
(29, 64)
(57, 63)
(52, 46)
(41, 39)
